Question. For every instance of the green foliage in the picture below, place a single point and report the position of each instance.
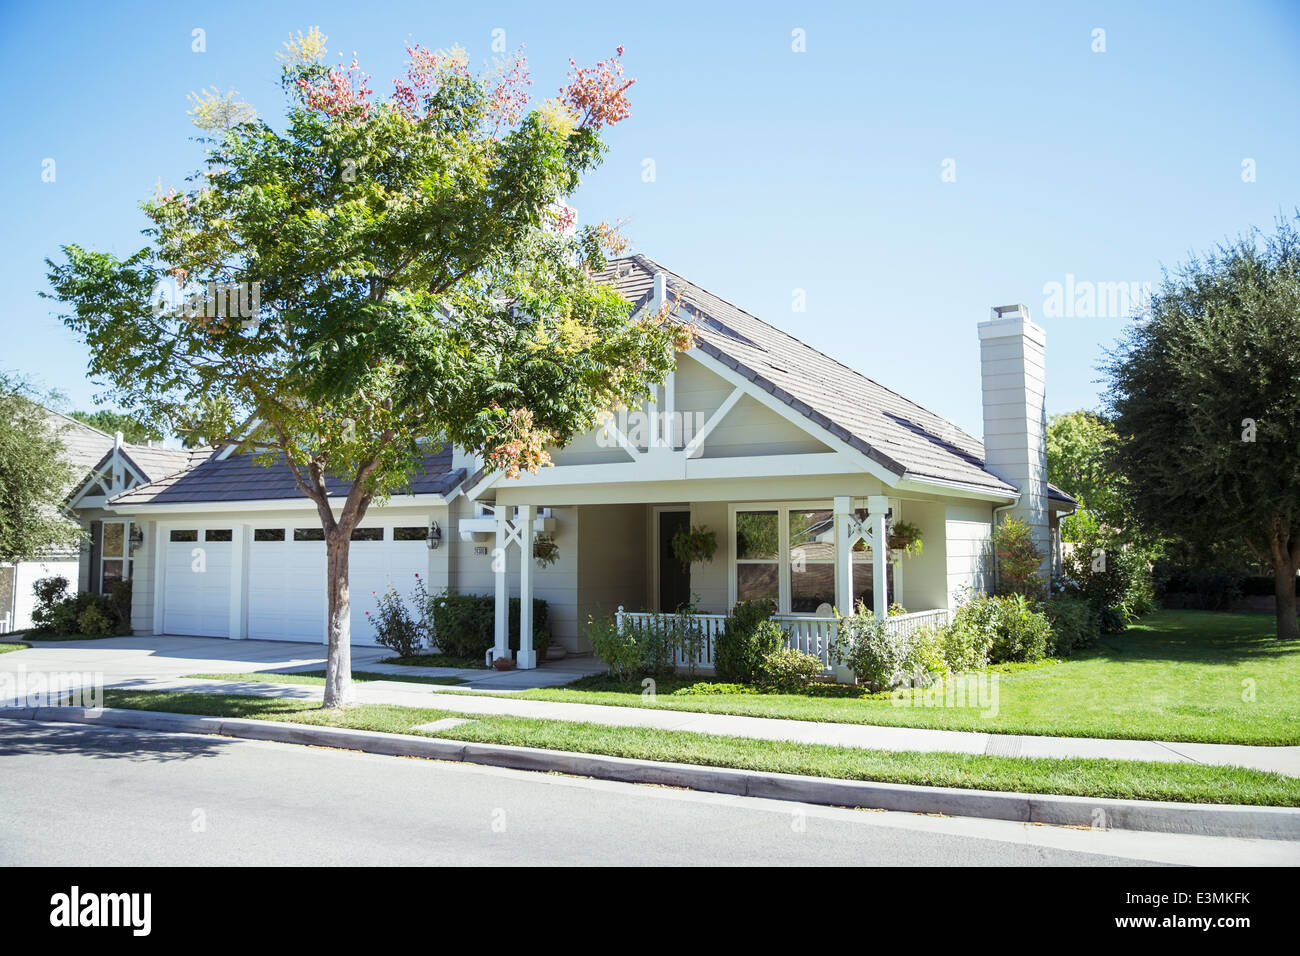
(58, 613)
(906, 537)
(648, 646)
(1206, 399)
(545, 551)
(1113, 575)
(1079, 463)
(789, 671)
(464, 625)
(748, 636)
(696, 546)
(1013, 630)
(133, 430)
(395, 626)
(1018, 558)
(1075, 623)
(965, 648)
(34, 478)
(93, 621)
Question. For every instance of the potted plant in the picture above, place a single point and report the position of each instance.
(905, 537)
(545, 550)
(696, 546)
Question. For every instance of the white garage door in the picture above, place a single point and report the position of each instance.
(286, 584)
(286, 578)
(197, 590)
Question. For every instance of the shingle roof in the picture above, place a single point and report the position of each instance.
(83, 445)
(241, 478)
(899, 434)
(155, 462)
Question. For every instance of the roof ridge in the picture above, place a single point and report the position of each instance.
(652, 265)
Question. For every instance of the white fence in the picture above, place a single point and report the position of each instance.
(812, 635)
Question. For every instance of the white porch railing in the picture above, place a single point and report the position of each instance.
(812, 635)
(906, 623)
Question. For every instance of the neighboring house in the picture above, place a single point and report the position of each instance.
(83, 446)
(796, 461)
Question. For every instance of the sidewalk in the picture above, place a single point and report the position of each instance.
(1283, 760)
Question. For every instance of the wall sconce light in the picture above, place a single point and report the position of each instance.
(435, 536)
(137, 537)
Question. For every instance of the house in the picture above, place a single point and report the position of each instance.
(799, 464)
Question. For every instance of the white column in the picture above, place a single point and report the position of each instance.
(502, 644)
(527, 657)
(843, 557)
(877, 505)
(159, 558)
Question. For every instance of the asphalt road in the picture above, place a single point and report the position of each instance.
(76, 795)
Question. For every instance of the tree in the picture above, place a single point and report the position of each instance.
(1206, 402)
(388, 275)
(1079, 464)
(133, 430)
(34, 477)
(1017, 559)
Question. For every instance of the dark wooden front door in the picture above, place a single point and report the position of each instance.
(674, 579)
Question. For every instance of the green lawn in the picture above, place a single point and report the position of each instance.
(1094, 778)
(318, 677)
(6, 647)
(437, 660)
(1177, 675)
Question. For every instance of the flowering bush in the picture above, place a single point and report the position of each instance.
(395, 627)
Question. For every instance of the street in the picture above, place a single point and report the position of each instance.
(76, 795)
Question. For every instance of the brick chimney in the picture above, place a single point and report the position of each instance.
(1013, 383)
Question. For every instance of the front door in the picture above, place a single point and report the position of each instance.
(674, 578)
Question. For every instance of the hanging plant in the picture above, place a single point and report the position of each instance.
(696, 546)
(545, 550)
(906, 537)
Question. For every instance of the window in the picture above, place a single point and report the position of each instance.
(410, 534)
(758, 569)
(184, 536)
(812, 559)
(786, 554)
(309, 534)
(114, 554)
(367, 534)
(268, 534)
(223, 534)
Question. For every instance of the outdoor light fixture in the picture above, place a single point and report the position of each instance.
(435, 536)
(137, 537)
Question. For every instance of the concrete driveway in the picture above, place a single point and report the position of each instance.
(132, 660)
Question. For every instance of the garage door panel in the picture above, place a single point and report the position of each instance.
(373, 565)
(197, 598)
(286, 590)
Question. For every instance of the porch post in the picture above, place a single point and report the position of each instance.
(843, 557)
(501, 647)
(877, 505)
(527, 657)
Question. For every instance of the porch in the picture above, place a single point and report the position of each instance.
(812, 558)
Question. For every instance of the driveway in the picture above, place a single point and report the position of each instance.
(134, 661)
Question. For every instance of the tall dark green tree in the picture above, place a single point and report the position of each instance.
(1205, 399)
(132, 429)
(407, 274)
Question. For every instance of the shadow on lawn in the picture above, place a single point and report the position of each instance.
(1202, 637)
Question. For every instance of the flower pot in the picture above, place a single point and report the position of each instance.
(555, 652)
(504, 664)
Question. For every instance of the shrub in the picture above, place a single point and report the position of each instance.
(1113, 575)
(395, 628)
(1013, 629)
(1018, 559)
(965, 648)
(877, 657)
(650, 646)
(464, 625)
(748, 636)
(786, 669)
(1075, 623)
(925, 662)
(57, 612)
(93, 621)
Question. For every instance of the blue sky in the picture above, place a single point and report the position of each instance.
(775, 170)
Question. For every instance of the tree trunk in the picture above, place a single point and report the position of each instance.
(1284, 573)
(338, 671)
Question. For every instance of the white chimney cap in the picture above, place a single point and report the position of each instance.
(1017, 311)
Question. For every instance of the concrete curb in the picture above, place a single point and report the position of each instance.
(1268, 823)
